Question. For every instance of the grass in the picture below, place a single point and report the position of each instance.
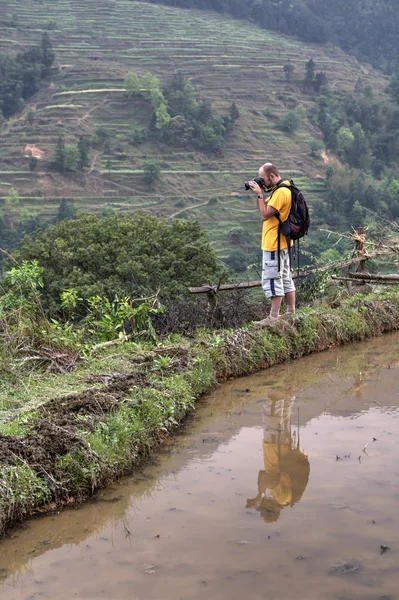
(72, 443)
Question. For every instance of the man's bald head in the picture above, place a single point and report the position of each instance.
(269, 174)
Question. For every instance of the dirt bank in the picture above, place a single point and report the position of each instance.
(69, 447)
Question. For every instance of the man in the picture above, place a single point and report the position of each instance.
(276, 283)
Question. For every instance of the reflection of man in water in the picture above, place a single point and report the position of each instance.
(286, 470)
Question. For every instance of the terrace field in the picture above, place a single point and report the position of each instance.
(97, 42)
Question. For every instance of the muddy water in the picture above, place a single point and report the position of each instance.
(284, 485)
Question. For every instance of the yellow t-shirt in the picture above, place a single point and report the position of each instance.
(280, 200)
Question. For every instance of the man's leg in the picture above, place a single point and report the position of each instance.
(289, 287)
(272, 283)
(290, 299)
(276, 305)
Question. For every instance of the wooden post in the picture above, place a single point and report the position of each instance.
(360, 249)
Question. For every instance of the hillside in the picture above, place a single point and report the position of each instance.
(366, 28)
(97, 43)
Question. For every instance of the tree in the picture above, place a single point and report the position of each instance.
(234, 113)
(291, 121)
(30, 117)
(237, 260)
(152, 172)
(162, 117)
(357, 214)
(368, 92)
(71, 158)
(83, 149)
(59, 155)
(320, 81)
(132, 84)
(48, 55)
(66, 210)
(33, 163)
(12, 207)
(301, 112)
(121, 256)
(345, 138)
(136, 134)
(288, 69)
(309, 75)
(315, 146)
(150, 82)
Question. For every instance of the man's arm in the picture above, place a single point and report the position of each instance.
(264, 209)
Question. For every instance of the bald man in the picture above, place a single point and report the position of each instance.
(277, 283)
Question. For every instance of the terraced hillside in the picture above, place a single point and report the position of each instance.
(97, 42)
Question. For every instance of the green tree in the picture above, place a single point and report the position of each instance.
(345, 138)
(162, 117)
(150, 82)
(288, 69)
(47, 51)
(33, 163)
(12, 207)
(315, 146)
(234, 113)
(309, 75)
(121, 256)
(71, 158)
(132, 84)
(136, 134)
(59, 155)
(238, 260)
(30, 117)
(66, 210)
(152, 172)
(301, 112)
(83, 149)
(357, 214)
(291, 121)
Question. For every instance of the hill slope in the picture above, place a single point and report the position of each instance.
(97, 43)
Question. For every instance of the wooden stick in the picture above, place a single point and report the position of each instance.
(375, 276)
(206, 289)
(363, 280)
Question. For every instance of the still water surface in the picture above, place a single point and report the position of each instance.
(284, 485)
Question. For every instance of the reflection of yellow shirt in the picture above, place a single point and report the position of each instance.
(280, 200)
(276, 480)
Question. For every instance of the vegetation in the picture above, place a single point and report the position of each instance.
(108, 429)
(119, 256)
(21, 75)
(106, 119)
(367, 29)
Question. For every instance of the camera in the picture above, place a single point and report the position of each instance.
(257, 180)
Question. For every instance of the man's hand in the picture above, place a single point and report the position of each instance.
(255, 187)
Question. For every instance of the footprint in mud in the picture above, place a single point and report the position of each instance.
(345, 568)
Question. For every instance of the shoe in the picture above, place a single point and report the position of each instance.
(287, 316)
(266, 322)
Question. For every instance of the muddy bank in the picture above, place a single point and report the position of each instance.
(70, 447)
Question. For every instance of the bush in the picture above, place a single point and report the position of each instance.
(121, 256)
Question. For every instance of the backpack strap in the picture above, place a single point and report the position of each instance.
(277, 215)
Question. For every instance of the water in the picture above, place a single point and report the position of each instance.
(284, 485)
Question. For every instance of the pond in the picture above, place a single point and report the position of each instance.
(282, 485)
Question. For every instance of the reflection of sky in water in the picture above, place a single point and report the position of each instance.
(294, 446)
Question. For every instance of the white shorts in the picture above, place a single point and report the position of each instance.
(275, 283)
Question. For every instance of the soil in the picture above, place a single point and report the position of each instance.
(57, 428)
